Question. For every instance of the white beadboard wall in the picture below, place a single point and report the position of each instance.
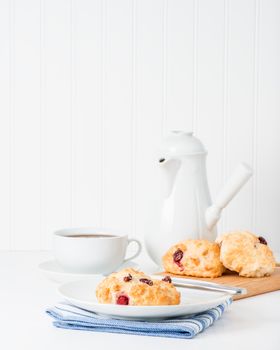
(89, 87)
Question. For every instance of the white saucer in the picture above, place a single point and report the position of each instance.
(81, 294)
(54, 272)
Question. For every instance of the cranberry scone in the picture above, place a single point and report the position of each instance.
(247, 254)
(194, 257)
(131, 287)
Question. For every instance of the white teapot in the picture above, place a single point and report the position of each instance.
(187, 211)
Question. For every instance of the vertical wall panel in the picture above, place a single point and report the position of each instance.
(57, 121)
(267, 118)
(117, 115)
(26, 218)
(209, 112)
(86, 141)
(180, 42)
(150, 114)
(5, 122)
(240, 106)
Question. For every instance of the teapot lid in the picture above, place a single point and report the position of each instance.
(181, 143)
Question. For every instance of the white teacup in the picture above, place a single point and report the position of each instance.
(92, 250)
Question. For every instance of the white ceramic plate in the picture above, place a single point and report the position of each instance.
(82, 294)
(54, 272)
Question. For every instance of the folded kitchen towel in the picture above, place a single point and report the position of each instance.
(72, 317)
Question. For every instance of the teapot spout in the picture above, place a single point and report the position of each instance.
(234, 184)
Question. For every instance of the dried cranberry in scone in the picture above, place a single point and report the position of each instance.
(146, 280)
(178, 256)
(127, 278)
(123, 300)
(262, 240)
(167, 279)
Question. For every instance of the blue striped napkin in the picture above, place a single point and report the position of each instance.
(71, 317)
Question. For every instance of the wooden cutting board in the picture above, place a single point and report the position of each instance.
(254, 286)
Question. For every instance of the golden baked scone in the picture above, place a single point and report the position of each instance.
(247, 254)
(131, 287)
(194, 257)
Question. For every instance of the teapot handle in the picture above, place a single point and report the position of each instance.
(241, 175)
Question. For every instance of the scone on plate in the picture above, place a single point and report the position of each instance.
(131, 287)
(247, 254)
(194, 257)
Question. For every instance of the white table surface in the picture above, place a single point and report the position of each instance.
(252, 323)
